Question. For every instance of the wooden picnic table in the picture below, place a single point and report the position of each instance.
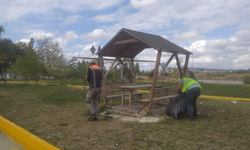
(132, 88)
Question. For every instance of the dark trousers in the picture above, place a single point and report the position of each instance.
(191, 98)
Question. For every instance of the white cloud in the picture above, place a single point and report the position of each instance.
(105, 18)
(62, 42)
(97, 34)
(165, 36)
(37, 34)
(70, 35)
(142, 3)
(24, 40)
(233, 39)
(16, 9)
(187, 36)
(78, 46)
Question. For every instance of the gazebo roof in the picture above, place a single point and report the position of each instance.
(128, 43)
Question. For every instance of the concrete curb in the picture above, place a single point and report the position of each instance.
(24, 138)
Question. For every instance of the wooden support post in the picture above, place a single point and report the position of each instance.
(130, 100)
(168, 62)
(125, 66)
(133, 70)
(151, 95)
(110, 68)
(123, 98)
(186, 64)
(104, 78)
(178, 64)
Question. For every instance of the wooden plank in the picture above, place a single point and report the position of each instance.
(110, 67)
(118, 95)
(126, 41)
(103, 80)
(130, 99)
(167, 63)
(178, 64)
(125, 66)
(133, 70)
(157, 98)
(154, 79)
(186, 64)
(122, 98)
(137, 93)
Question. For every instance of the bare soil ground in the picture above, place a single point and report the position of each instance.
(59, 117)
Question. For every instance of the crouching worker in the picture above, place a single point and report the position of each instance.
(94, 78)
(193, 90)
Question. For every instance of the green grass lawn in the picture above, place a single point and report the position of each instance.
(59, 117)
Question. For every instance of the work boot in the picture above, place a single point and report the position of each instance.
(92, 117)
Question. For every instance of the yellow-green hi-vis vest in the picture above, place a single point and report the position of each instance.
(187, 82)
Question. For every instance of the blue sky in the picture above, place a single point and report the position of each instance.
(217, 32)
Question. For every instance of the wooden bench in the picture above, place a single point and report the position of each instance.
(115, 89)
(166, 93)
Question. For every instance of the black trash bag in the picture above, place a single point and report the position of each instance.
(177, 107)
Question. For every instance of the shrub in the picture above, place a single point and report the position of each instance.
(246, 79)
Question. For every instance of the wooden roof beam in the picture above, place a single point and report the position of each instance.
(110, 68)
(165, 66)
(125, 66)
(178, 64)
(186, 65)
(126, 41)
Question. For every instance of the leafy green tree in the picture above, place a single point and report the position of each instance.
(29, 65)
(9, 53)
(60, 68)
(137, 69)
(77, 70)
(16, 68)
(48, 52)
(1, 30)
(72, 65)
(151, 73)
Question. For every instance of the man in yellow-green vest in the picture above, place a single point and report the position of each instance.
(193, 90)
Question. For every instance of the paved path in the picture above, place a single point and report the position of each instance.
(7, 144)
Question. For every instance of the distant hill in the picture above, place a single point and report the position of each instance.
(210, 70)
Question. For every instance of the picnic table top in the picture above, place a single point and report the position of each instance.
(139, 86)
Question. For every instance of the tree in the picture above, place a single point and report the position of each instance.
(59, 68)
(78, 69)
(1, 30)
(10, 52)
(29, 65)
(151, 73)
(48, 52)
(137, 69)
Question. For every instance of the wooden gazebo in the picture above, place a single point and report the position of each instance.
(128, 44)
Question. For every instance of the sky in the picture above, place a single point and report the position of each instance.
(217, 32)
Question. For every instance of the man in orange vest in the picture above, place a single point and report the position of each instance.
(193, 90)
(94, 78)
